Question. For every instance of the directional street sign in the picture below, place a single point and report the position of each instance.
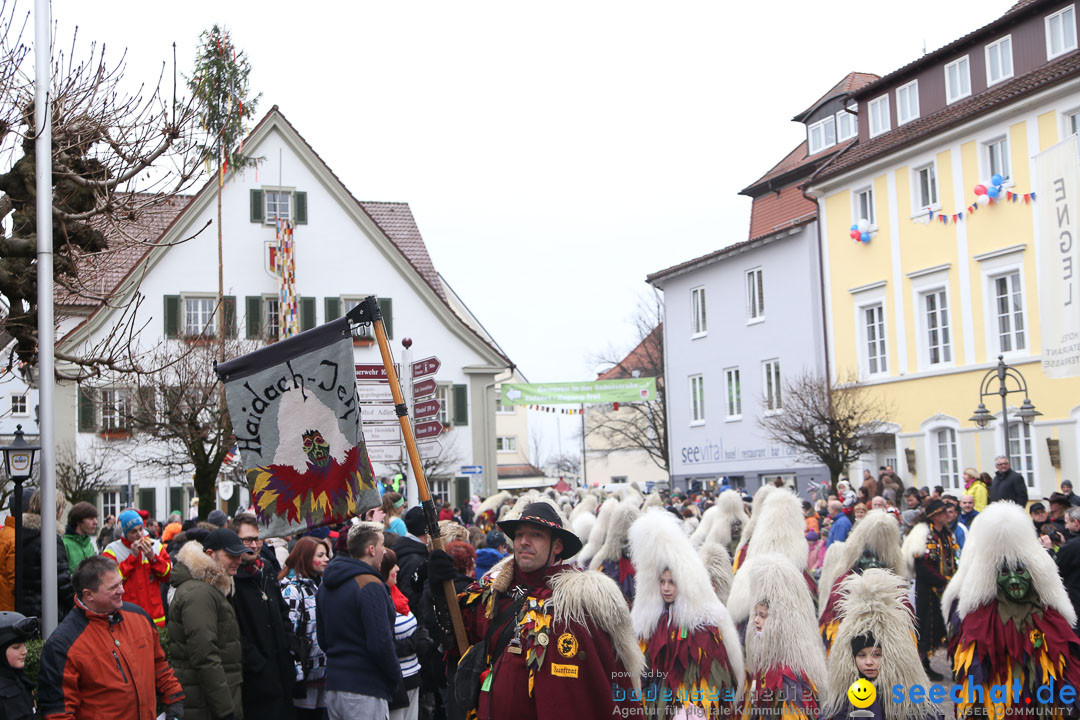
(426, 429)
(429, 449)
(382, 434)
(426, 409)
(427, 366)
(374, 371)
(472, 470)
(384, 453)
(374, 392)
(378, 414)
(424, 388)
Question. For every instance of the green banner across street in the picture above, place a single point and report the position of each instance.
(580, 393)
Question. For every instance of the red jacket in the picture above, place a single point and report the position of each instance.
(105, 667)
(143, 576)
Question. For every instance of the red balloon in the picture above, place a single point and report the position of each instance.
(855, 234)
(980, 189)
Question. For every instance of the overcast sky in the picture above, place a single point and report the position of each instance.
(554, 153)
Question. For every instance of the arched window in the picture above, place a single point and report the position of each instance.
(1021, 451)
(948, 458)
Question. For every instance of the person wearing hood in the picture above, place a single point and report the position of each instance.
(16, 691)
(31, 554)
(144, 564)
(688, 635)
(412, 554)
(82, 527)
(494, 550)
(355, 624)
(204, 636)
(613, 558)
(741, 549)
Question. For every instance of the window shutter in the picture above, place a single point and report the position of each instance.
(87, 411)
(253, 311)
(258, 206)
(300, 211)
(307, 313)
(386, 306)
(145, 410)
(332, 308)
(461, 405)
(172, 316)
(228, 309)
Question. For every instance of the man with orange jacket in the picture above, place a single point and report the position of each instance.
(105, 661)
(144, 565)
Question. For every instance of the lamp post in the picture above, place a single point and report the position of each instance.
(1003, 374)
(19, 463)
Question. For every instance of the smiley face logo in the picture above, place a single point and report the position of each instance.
(862, 693)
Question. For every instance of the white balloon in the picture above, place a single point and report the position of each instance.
(982, 199)
(864, 225)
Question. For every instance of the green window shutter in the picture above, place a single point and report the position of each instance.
(148, 500)
(386, 306)
(176, 501)
(172, 316)
(307, 313)
(253, 312)
(300, 214)
(87, 411)
(461, 405)
(332, 308)
(258, 206)
(228, 307)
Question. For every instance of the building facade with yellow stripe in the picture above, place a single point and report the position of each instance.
(920, 306)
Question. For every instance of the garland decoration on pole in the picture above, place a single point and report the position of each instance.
(285, 269)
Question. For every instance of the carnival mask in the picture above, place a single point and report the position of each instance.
(1015, 582)
(867, 561)
(316, 448)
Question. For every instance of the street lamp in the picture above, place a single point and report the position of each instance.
(19, 462)
(1004, 373)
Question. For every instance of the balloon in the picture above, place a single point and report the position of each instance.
(980, 190)
(983, 199)
(994, 191)
(854, 227)
(997, 179)
(855, 234)
(865, 237)
(864, 225)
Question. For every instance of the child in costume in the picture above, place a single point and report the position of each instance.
(1010, 619)
(875, 641)
(695, 664)
(16, 690)
(784, 658)
(739, 556)
(613, 558)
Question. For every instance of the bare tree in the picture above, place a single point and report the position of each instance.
(833, 426)
(437, 467)
(643, 425)
(538, 448)
(566, 464)
(80, 479)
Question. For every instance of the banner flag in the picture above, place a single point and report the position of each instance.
(1057, 170)
(295, 416)
(579, 393)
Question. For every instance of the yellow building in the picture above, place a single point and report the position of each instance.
(921, 312)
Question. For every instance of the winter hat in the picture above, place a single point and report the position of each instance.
(415, 522)
(217, 517)
(129, 520)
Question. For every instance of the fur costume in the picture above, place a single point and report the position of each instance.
(875, 603)
(930, 556)
(691, 645)
(582, 525)
(452, 531)
(613, 557)
(533, 496)
(586, 506)
(488, 511)
(748, 529)
(599, 532)
(652, 500)
(725, 520)
(782, 529)
(876, 533)
(785, 663)
(718, 563)
(998, 640)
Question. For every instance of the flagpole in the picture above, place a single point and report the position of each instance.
(372, 313)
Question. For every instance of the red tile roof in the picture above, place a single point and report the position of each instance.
(643, 357)
(397, 222)
(1050, 74)
(519, 471)
(795, 166)
(852, 81)
(774, 212)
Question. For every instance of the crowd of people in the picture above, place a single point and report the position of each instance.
(673, 605)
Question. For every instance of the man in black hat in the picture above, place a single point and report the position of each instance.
(412, 554)
(935, 553)
(541, 631)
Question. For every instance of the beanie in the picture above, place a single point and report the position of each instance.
(217, 517)
(129, 520)
(415, 522)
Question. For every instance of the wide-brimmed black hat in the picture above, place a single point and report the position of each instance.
(544, 516)
(934, 507)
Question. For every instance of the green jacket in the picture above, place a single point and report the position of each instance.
(204, 637)
(79, 547)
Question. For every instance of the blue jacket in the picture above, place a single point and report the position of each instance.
(486, 559)
(356, 630)
(840, 528)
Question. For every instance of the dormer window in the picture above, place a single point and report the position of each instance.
(847, 125)
(1060, 32)
(822, 134)
(907, 102)
(957, 80)
(878, 110)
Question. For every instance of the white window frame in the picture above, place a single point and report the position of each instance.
(999, 265)
(1015, 286)
(1069, 11)
(278, 193)
(506, 444)
(25, 401)
(911, 90)
(205, 329)
(843, 117)
(444, 394)
(698, 320)
(881, 105)
(950, 477)
(1070, 122)
(110, 502)
(733, 394)
(111, 410)
(824, 142)
(923, 325)
(999, 44)
(697, 399)
(1027, 451)
(863, 333)
(754, 289)
(269, 319)
(856, 206)
(963, 70)
(772, 396)
(987, 158)
(501, 409)
(918, 207)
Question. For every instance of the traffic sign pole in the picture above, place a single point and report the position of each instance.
(411, 492)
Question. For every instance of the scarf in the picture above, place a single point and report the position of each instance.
(401, 603)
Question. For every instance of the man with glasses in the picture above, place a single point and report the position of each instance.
(1008, 484)
(265, 631)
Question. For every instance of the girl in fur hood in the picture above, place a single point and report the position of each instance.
(874, 642)
(1010, 618)
(691, 646)
(748, 529)
(784, 658)
(613, 558)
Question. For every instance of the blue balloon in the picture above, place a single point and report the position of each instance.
(855, 227)
(997, 180)
(993, 191)
(865, 237)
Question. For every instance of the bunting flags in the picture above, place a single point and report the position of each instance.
(1008, 197)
